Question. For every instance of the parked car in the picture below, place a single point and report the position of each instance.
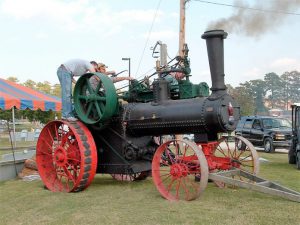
(265, 131)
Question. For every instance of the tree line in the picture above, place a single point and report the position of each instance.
(274, 91)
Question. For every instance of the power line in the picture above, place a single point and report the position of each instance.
(249, 8)
(148, 37)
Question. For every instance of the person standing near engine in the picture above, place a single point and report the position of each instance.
(102, 69)
(66, 73)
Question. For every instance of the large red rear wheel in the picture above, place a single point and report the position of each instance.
(179, 170)
(66, 156)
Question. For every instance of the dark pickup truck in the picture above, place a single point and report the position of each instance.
(265, 131)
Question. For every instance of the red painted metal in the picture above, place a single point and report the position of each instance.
(225, 154)
(66, 156)
(179, 170)
(214, 162)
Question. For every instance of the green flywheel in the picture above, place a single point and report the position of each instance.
(95, 98)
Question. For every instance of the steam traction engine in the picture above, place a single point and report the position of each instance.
(118, 133)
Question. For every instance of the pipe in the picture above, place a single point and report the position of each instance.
(215, 51)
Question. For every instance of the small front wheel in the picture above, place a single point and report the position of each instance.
(268, 145)
(179, 170)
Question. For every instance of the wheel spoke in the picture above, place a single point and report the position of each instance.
(192, 184)
(169, 156)
(56, 133)
(74, 169)
(185, 189)
(98, 86)
(60, 163)
(245, 157)
(50, 135)
(98, 110)
(83, 97)
(177, 149)
(69, 175)
(176, 176)
(89, 109)
(101, 104)
(219, 148)
(89, 86)
(241, 154)
(45, 153)
(162, 181)
(100, 98)
(177, 188)
(47, 143)
(170, 185)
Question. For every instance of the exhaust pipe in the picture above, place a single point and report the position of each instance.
(215, 51)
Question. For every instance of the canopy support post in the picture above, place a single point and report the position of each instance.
(14, 126)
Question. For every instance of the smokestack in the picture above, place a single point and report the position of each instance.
(215, 51)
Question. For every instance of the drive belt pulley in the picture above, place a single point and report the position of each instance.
(95, 98)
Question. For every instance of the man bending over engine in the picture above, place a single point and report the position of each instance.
(66, 73)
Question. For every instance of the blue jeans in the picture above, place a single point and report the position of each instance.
(65, 79)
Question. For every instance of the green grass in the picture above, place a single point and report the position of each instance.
(111, 202)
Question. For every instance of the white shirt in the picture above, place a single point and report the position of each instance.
(78, 67)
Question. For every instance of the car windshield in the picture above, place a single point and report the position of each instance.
(276, 123)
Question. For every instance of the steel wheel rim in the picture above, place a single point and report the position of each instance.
(66, 159)
(245, 159)
(179, 174)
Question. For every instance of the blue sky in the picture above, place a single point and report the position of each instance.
(38, 35)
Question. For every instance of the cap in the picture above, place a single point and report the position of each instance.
(94, 63)
(102, 65)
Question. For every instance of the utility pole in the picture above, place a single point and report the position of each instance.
(181, 41)
(182, 27)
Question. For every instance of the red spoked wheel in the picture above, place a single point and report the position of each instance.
(179, 170)
(131, 177)
(241, 153)
(66, 156)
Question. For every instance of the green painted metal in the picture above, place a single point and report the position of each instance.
(95, 104)
(203, 90)
(138, 92)
(190, 90)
